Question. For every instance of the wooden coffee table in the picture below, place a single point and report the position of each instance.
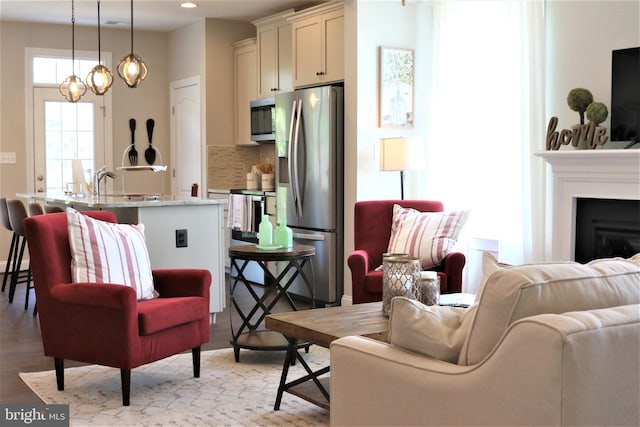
(321, 326)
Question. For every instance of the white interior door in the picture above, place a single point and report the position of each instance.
(186, 157)
(64, 131)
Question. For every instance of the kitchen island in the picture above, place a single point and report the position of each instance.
(181, 232)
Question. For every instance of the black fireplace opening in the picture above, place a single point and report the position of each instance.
(606, 228)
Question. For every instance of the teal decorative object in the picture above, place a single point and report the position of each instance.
(265, 232)
(283, 235)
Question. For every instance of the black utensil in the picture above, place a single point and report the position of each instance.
(133, 153)
(150, 152)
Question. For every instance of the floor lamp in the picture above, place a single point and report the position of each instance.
(401, 154)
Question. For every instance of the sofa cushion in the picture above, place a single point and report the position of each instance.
(163, 313)
(429, 236)
(105, 252)
(521, 291)
(435, 331)
(490, 265)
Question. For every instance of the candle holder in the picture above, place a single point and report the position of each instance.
(429, 288)
(400, 278)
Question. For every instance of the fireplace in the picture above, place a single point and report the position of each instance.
(606, 228)
(579, 176)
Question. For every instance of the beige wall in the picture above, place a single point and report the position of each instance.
(186, 50)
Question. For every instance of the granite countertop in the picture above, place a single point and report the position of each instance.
(122, 200)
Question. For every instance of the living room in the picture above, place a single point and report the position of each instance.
(483, 170)
(574, 53)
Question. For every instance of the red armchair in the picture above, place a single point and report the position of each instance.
(104, 324)
(372, 230)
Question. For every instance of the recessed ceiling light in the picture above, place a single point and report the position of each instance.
(188, 5)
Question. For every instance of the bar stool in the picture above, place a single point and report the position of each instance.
(52, 209)
(13, 249)
(35, 208)
(17, 215)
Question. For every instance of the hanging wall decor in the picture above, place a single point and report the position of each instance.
(395, 97)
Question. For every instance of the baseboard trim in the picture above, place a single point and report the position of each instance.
(346, 300)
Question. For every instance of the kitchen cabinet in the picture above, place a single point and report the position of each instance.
(318, 45)
(273, 53)
(244, 86)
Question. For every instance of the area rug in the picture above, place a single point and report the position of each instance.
(165, 392)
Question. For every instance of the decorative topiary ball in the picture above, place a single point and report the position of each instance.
(597, 112)
(578, 100)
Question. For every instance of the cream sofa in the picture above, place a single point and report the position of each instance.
(546, 344)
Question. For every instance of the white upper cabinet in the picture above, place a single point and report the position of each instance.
(244, 85)
(274, 54)
(318, 45)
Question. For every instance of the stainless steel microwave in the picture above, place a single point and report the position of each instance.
(263, 120)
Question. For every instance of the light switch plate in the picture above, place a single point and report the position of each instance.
(7, 158)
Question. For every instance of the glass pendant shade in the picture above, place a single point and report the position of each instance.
(131, 68)
(72, 88)
(99, 79)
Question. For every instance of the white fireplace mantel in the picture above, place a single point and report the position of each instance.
(597, 174)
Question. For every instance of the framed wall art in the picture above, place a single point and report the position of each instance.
(395, 97)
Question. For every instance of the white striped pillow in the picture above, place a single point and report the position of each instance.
(104, 252)
(429, 236)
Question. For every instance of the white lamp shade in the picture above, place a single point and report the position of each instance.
(400, 154)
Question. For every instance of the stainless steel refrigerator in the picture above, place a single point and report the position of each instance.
(309, 145)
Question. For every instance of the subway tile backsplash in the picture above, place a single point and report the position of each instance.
(228, 165)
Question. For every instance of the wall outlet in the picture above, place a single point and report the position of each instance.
(182, 240)
(7, 158)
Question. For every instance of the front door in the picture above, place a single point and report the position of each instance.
(64, 131)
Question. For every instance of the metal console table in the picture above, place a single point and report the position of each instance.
(251, 334)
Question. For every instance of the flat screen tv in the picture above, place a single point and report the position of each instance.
(625, 95)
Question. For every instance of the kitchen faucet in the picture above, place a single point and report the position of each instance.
(98, 176)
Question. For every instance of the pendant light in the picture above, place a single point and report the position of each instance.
(131, 68)
(72, 88)
(99, 78)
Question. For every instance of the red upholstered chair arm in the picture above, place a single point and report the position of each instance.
(117, 297)
(85, 321)
(182, 282)
(452, 266)
(358, 262)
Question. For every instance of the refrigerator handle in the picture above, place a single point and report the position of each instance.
(306, 236)
(294, 179)
(290, 149)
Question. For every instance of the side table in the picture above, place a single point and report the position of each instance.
(250, 334)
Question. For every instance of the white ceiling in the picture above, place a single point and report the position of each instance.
(159, 15)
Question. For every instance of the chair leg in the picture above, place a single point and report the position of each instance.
(59, 364)
(29, 287)
(195, 356)
(7, 267)
(125, 376)
(16, 268)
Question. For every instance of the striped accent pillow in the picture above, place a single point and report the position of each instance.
(429, 236)
(104, 252)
